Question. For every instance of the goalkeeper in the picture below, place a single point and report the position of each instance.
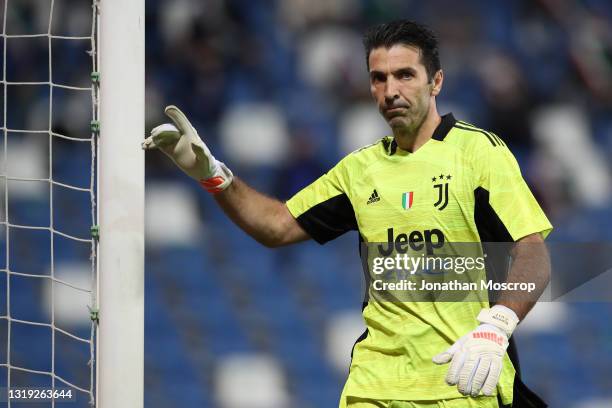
(435, 179)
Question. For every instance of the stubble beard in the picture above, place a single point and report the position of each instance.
(409, 125)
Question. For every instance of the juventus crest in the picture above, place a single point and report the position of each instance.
(442, 187)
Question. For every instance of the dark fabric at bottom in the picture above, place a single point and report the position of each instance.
(524, 397)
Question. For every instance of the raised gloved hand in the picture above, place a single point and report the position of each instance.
(476, 358)
(181, 143)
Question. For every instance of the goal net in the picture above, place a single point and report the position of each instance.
(51, 299)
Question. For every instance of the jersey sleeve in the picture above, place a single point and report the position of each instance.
(505, 209)
(323, 208)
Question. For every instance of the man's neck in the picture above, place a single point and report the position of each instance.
(412, 141)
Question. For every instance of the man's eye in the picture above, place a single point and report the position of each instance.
(406, 75)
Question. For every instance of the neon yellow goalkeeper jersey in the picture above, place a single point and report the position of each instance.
(463, 183)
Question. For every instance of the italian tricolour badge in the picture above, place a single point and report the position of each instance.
(407, 199)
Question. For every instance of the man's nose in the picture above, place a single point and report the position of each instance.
(391, 90)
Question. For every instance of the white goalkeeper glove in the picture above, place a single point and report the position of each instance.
(182, 144)
(476, 358)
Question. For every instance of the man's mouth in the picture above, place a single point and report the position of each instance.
(399, 110)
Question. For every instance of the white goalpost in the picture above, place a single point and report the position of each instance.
(109, 279)
(121, 204)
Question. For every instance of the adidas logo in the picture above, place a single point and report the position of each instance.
(374, 197)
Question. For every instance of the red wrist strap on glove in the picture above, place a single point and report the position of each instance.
(212, 184)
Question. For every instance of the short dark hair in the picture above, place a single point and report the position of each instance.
(408, 33)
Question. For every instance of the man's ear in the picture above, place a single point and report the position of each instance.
(438, 79)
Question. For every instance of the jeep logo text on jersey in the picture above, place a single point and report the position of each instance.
(415, 240)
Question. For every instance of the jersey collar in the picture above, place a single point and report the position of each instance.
(446, 124)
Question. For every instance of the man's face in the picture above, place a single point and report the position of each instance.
(399, 84)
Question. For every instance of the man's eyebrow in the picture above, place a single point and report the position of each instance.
(402, 70)
(405, 70)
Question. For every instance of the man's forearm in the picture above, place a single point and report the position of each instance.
(531, 264)
(264, 218)
(476, 359)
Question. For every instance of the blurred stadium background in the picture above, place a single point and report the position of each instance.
(279, 91)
